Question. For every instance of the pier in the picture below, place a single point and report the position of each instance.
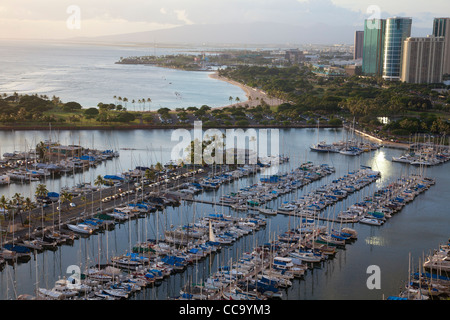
(310, 216)
(152, 261)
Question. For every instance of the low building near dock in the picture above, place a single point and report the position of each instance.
(59, 151)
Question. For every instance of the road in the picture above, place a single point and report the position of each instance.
(92, 206)
(50, 218)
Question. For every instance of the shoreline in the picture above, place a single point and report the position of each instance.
(152, 127)
(254, 96)
(384, 143)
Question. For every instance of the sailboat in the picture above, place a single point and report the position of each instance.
(32, 244)
(80, 228)
(371, 220)
(267, 210)
(322, 146)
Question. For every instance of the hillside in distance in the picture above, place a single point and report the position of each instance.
(262, 33)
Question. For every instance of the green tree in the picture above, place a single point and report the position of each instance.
(65, 197)
(4, 205)
(84, 199)
(28, 205)
(125, 117)
(42, 151)
(71, 106)
(41, 191)
(91, 112)
(335, 122)
(159, 167)
(440, 126)
(17, 201)
(150, 175)
(99, 181)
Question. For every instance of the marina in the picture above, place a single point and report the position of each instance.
(424, 155)
(267, 269)
(197, 199)
(53, 161)
(430, 281)
(349, 148)
(202, 202)
(117, 183)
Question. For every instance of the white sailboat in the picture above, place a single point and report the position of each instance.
(80, 228)
(268, 211)
(212, 237)
(371, 221)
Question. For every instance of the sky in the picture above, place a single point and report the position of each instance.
(60, 19)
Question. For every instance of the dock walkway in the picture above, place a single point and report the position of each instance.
(295, 214)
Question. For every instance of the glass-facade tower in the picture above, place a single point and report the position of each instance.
(397, 30)
(441, 28)
(373, 47)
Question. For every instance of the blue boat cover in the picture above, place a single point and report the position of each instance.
(113, 177)
(53, 195)
(16, 248)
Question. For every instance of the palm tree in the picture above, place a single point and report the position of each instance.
(28, 205)
(41, 150)
(231, 99)
(41, 191)
(65, 197)
(150, 175)
(4, 204)
(84, 199)
(158, 167)
(17, 200)
(99, 181)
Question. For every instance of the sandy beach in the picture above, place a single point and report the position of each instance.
(254, 96)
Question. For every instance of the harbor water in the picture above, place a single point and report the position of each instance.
(413, 232)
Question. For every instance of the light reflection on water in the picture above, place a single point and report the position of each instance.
(376, 241)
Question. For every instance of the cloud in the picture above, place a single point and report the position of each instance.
(58, 29)
(422, 12)
(134, 15)
(182, 16)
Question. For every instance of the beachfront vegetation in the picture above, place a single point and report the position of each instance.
(408, 108)
(203, 61)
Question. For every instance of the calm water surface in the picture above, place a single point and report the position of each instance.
(88, 74)
(419, 228)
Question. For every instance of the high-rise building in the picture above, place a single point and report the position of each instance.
(358, 45)
(373, 47)
(397, 30)
(441, 28)
(422, 59)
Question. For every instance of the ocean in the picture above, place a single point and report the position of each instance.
(88, 75)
